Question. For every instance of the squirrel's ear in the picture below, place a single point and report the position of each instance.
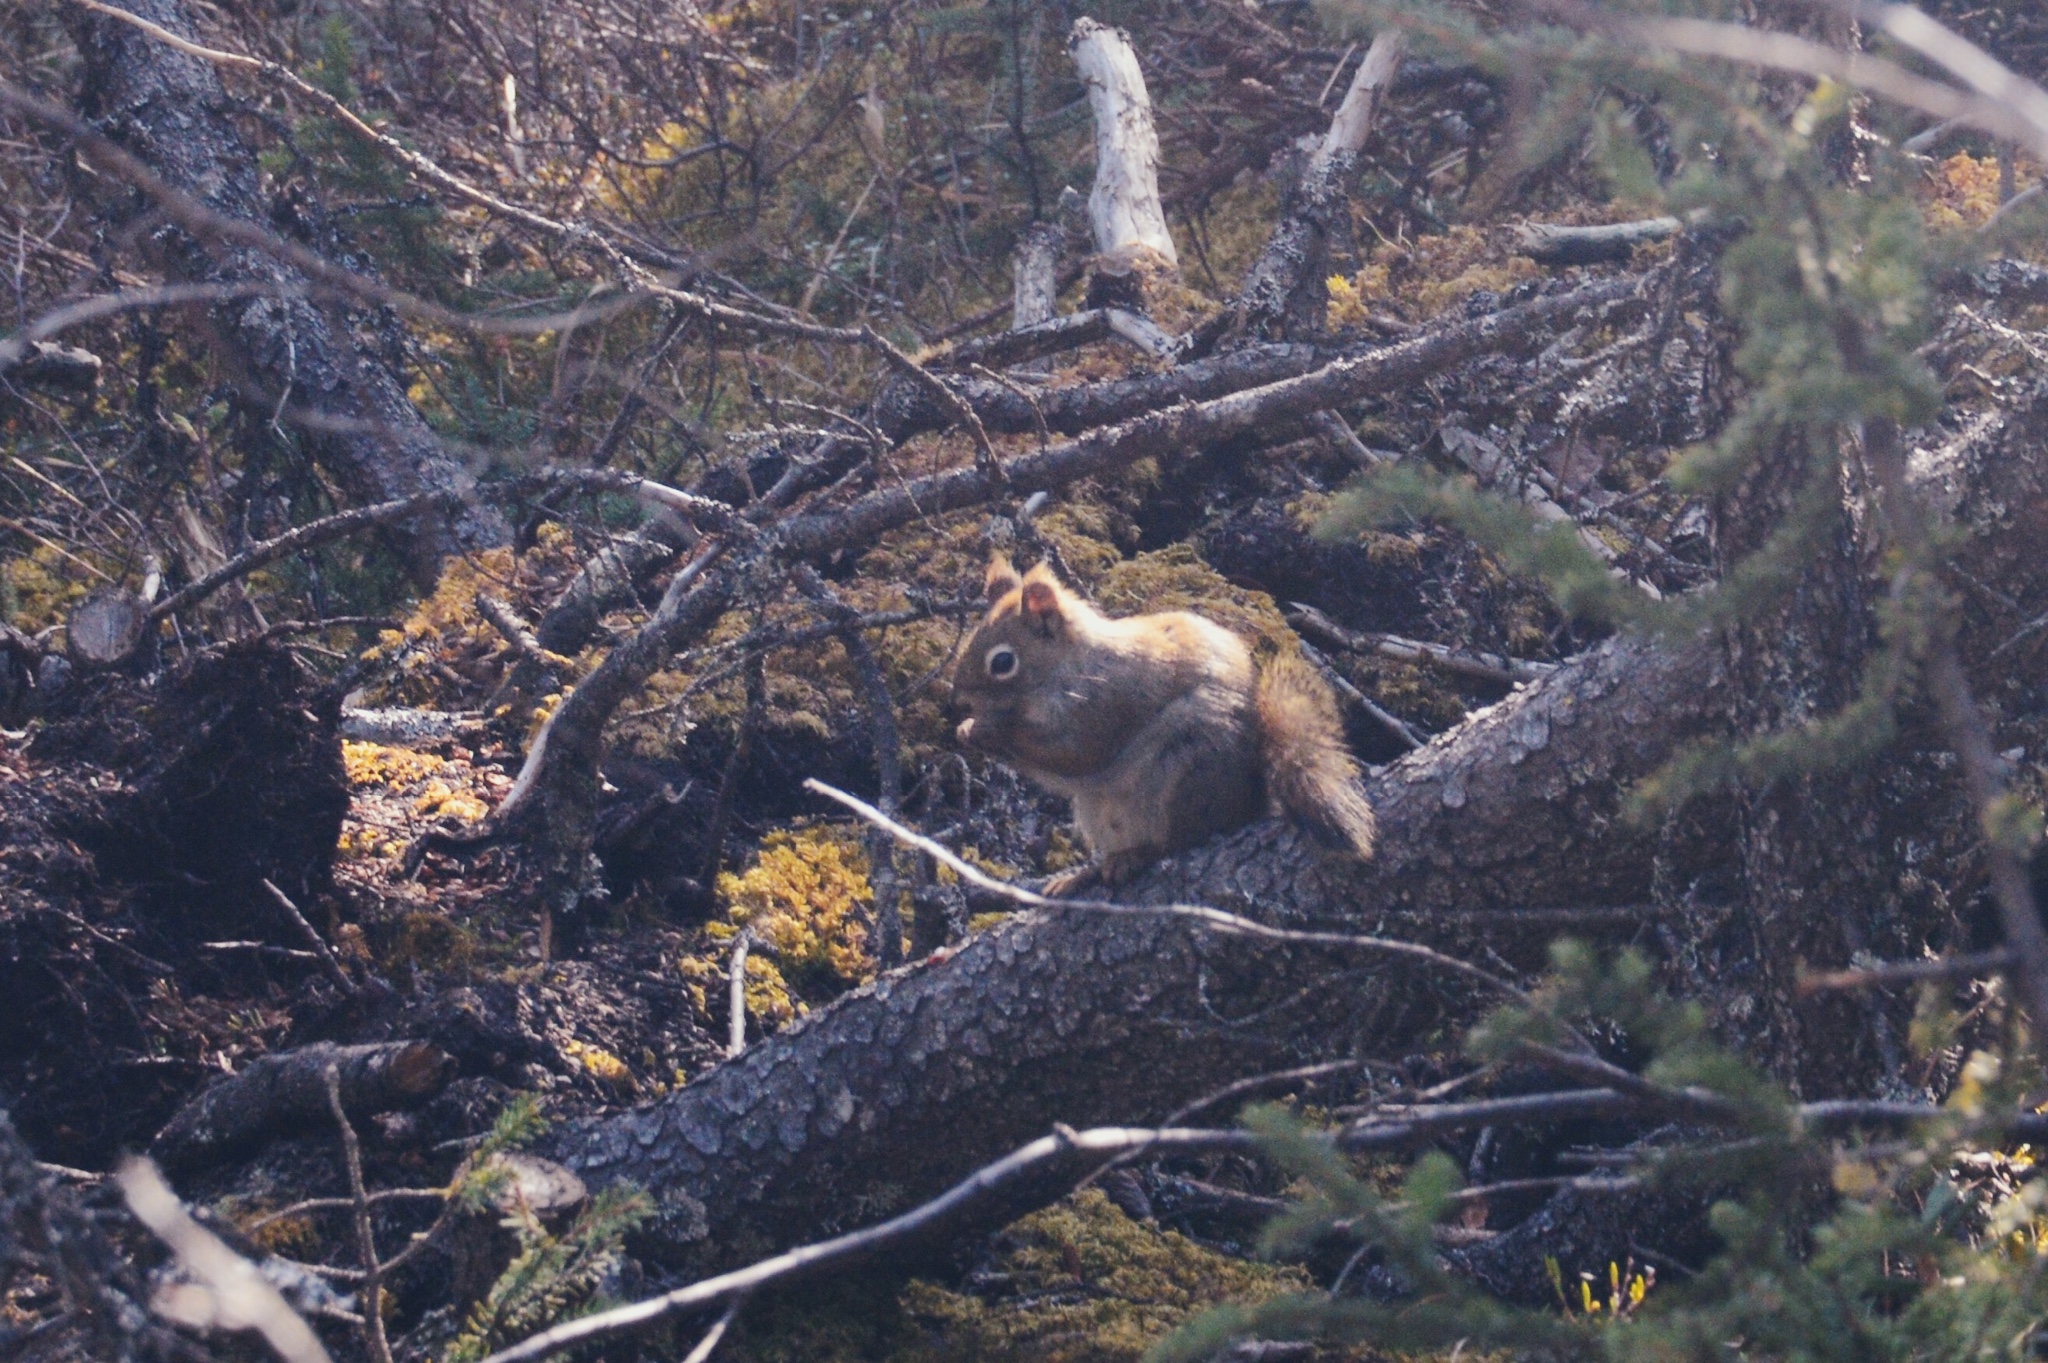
(1000, 580)
(1042, 604)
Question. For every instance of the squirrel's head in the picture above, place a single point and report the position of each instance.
(1026, 634)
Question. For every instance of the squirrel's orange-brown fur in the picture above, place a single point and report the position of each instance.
(1158, 727)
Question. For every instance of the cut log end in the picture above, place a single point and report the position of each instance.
(106, 629)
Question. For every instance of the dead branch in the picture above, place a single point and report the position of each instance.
(1285, 289)
(1401, 731)
(1215, 919)
(1970, 966)
(1559, 244)
(1123, 206)
(511, 629)
(1491, 667)
(366, 1237)
(302, 537)
(1192, 426)
(226, 1291)
(313, 938)
(289, 1090)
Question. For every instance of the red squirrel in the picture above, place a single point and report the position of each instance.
(1159, 728)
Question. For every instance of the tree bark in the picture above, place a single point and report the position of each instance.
(289, 353)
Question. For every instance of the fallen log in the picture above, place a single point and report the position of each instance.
(1559, 244)
(1067, 1017)
(288, 1091)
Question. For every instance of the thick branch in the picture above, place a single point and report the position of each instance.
(289, 1089)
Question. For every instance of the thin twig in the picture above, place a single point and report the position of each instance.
(715, 1333)
(302, 537)
(1971, 966)
(366, 1239)
(313, 938)
(1207, 917)
(1404, 733)
(1491, 667)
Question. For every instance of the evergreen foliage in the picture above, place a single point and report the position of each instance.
(1860, 1248)
(553, 1276)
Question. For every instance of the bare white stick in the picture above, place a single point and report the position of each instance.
(1215, 919)
(1354, 118)
(738, 1035)
(225, 1290)
(1124, 207)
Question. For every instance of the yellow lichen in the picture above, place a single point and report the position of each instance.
(1965, 191)
(441, 801)
(41, 587)
(806, 898)
(599, 1061)
(374, 764)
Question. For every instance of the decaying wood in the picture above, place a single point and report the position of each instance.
(482, 1242)
(46, 364)
(1560, 244)
(1285, 291)
(288, 1091)
(1123, 207)
(403, 727)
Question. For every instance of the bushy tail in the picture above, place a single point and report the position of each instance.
(1310, 773)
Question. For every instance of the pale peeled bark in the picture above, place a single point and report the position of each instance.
(1124, 208)
(1354, 119)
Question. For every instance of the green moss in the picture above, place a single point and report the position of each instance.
(1083, 1283)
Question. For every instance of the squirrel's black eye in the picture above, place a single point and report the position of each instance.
(1002, 661)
